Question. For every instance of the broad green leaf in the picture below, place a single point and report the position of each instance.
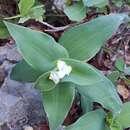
(3, 31)
(91, 121)
(76, 11)
(103, 92)
(25, 6)
(38, 49)
(82, 73)
(57, 104)
(85, 40)
(24, 73)
(43, 83)
(120, 64)
(124, 116)
(96, 3)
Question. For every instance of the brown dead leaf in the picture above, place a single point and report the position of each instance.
(123, 91)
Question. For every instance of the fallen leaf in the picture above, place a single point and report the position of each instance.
(123, 91)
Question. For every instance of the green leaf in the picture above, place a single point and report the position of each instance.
(118, 3)
(120, 64)
(75, 12)
(36, 13)
(96, 3)
(124, 116)
(69, 2)
(113, 76)
(126, 79)
(25, 6)
(115, 126)
(90, 121)
(103, 92)
(85, 40)
(24, 73)
(38, 49)
(43, 83)
(3, 31)
(57, 104)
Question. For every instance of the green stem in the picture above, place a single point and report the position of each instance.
(13, 17)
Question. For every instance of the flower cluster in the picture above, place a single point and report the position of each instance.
(61, 70)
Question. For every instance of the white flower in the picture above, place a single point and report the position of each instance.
(54, 76)
(63, 68)
(60, 72)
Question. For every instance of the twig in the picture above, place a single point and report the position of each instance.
(57, 29)
(48, 25)
(54, 29)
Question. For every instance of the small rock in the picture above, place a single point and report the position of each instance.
(3, 54)
(13, 55)
(9, 52)
(20, 105)
(28, 127)
(2, 75)
(60, 4)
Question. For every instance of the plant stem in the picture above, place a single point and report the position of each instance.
(13, 17)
